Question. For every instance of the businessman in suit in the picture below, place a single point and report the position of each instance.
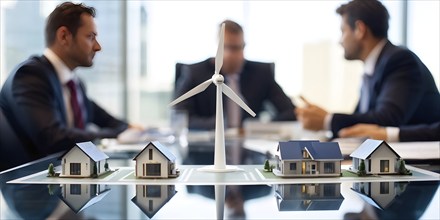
(397, 88)
(422, 132)
(253, 81)
(44, 101)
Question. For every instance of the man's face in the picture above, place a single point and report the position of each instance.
(233, 53)
(84, 44)
(352, 46)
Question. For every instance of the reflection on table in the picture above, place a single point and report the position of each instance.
(81, 196)
(308, 197)
(151, 198)
(394, 200)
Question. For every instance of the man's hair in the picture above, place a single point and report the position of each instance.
(232, 27)
(371, 12)
(67, 14)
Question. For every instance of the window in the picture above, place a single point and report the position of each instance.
(384, 187)
(305, 154)
(384, 166)
(329, 167)
(292, 166)
(136, 69)
(150, 205)
(153, 191)
(356, 163)
(330, 189)
(153, 169)
(75, 189)
(150, 154)
(75, 168)
(369, 165)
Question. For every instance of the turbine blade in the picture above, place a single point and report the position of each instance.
(220, 49)
(198, 89)
(231, 94)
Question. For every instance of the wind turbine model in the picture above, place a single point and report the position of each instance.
(217, 79)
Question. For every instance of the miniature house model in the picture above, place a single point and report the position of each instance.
(83, 160)
(378, 157)
(81, 196)
(155, 161)
(151, 198)
(308, 158)
(307, 197)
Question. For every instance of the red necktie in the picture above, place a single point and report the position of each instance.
(76, 109)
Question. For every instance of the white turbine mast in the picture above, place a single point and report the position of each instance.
(218, 80)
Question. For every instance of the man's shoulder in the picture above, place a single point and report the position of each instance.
(259, 68)
(205, 64)
(200, 69)
(35, 63)
(392, 51)
(35, 69)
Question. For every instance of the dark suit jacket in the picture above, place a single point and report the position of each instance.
(423, 132)
(257, 85)
(403, 92)
(32, 101)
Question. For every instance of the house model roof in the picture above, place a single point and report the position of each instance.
(90, 150)
(162, 149)
(368, 147)
(292, 150)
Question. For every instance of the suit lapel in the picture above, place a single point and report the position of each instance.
(56, 87)
(377, 78)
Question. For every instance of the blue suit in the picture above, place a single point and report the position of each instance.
(402, 92)
(422, 132)
(32, 101)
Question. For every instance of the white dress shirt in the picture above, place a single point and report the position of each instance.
(64, 75)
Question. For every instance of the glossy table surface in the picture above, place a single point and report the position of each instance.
(326, 200)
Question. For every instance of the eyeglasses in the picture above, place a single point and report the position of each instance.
(234, 48)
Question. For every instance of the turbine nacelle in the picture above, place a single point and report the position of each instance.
(218, 79)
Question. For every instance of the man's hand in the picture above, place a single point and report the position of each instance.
(364, 130)
(311, 116)
(136, 127)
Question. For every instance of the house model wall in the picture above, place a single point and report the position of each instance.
(83, 160)
(155, 161)
(378, 157)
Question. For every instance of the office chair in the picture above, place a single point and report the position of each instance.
(12, 150)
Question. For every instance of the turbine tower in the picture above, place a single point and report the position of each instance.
(218, 80)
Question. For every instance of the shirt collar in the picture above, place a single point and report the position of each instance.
(63, 72)
(371, 60)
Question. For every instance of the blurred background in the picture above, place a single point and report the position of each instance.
(133, 75)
